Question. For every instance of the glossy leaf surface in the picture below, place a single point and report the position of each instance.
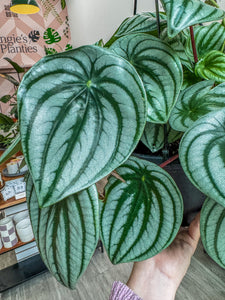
(82, 112)
(195, 102)
(153, 136)
(202, 155)
(159, 68)
(211, 66)
(207, 38)
(141, 217)
(66, 233)
(139, 23)
(182, 14)
(212, 226)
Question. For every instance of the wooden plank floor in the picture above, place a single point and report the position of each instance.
(204, 281)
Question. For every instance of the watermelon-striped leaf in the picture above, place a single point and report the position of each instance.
(211, 66)
(189, 78)
(182, 14)
(153, 136)
(195, 102)
(66, 233)
(207, 38)
(82, 112)
(140, 23)
(160, 70)
(212, 227)
(140, 217)
(202, 155)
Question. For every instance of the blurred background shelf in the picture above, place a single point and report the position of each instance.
(19, 244)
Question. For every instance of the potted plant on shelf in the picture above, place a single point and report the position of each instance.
(82, 114)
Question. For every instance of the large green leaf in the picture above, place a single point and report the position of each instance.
(160, 70)
(211, 66)
(212, 226)
(195, 102)
(183, 13)
(11, 150)
(153, 136)
(66, 233)
(207, 38)
(202, 155)
(141, 216)
(82, 113)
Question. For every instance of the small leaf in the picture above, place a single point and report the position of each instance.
(5, 98)
(142, 216)
(207, 38)
(182, 14)
(11, 150)
(211, 66)
(202, 155)
(66, 233)
(15, 65)
(63, 4)
(153, 136)
(88, 112)
(195, 102)
(5, 119)
(212, 227)
(10, 78)
(159, 68)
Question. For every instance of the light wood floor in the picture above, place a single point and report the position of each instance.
(204, 281)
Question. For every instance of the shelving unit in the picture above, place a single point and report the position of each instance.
(22, 271)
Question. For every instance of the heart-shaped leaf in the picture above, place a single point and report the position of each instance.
(66, 233)
(160, 70)
(182, 14)
(211, 66)
(153, 136)
(141, 216)
(212, 226)
(195, 102)
(82, 113)
(202, 155)
(207, 38)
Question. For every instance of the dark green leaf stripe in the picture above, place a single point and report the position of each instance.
(211, 66)
(82, 113)
(177, 43)
(140, 217)
(144, 22)
(212, 226)
(207, 38)
(160, 70)
(66, 233)
(202, 155)
(195, 102)
(184, 13)
(153, 136)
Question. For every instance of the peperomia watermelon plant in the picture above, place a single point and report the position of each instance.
(83, 112)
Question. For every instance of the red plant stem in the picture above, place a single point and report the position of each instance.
(167, 162)
(193, 44)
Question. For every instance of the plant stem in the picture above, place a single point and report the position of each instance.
(157, 16)
(193, 44)
(135, 7)
(167, 162)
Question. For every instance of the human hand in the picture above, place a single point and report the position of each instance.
(158, 278)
